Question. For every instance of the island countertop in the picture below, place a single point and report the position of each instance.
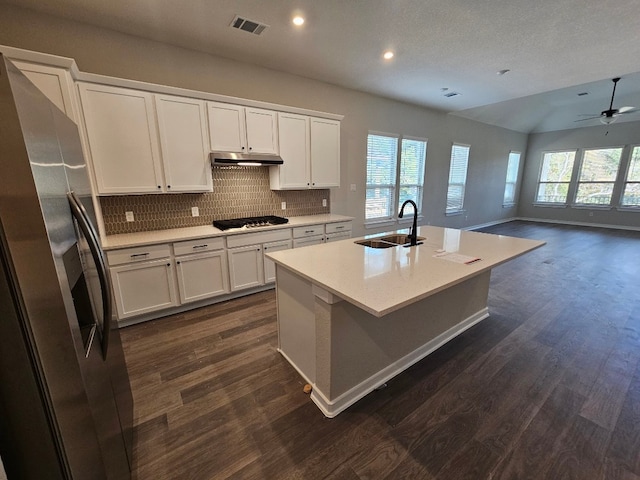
(381, 281)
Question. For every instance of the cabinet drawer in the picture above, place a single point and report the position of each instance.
(334, 237)
(338, 227)
(303, 242)
(138, 254)
(308, 231)
(257, 238)
(197, 246)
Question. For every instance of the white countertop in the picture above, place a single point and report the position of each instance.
(381, 281)
(112, 242)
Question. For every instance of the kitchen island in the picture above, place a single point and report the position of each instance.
(351, 317)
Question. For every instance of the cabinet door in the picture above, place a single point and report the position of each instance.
(245, 267)
(269, 265)
(183, 137)
(325, 153)
(202, 276)
(123, 139)
(293, 138)
(226, 127)
(262, 131)
(143, 287)
(55, 83)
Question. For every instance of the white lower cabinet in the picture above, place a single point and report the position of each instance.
(269, 265)
(202, 276)
(245, 267)
(143, 287)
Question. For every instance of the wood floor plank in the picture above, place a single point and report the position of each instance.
(547, 387)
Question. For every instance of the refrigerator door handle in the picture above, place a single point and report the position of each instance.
(90, 234)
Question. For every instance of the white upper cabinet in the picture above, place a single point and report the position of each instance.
(293, 136)
(233, 128)
(185, 148)
(325, 153)
(136, 148)
(122, 138)
(310, 148)
(56, 83)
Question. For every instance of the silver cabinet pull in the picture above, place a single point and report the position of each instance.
(338, 228)
(201, 246)
(138, 255)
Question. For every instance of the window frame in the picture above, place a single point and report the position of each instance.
(569, 183)
(458, 210)
(626, 181)
(614, 183)
(395, 188)
(513, 202)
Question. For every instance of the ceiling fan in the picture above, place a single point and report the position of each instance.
(612, 114)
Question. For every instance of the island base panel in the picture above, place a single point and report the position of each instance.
(349, 352)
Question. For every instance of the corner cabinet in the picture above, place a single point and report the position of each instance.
(234, 128)
(140, 142)
(310, 148)
(56, 84)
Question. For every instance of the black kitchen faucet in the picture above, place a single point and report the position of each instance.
(413, 233)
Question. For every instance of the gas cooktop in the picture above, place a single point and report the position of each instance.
(249, 222)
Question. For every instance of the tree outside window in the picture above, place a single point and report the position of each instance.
(555, 176)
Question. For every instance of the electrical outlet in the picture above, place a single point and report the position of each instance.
(324, 202)
(129, 216)
(284, 205)
(353, 187)
(195, 212)
(591, 214)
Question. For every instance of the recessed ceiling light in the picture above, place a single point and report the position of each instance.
(298, 20)
(503, 72)
(388, 55)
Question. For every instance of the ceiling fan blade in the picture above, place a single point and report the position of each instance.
(626, 109)
(585, 119)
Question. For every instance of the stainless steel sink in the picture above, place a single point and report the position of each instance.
(387, 241)
(376, 243)
(399, 238)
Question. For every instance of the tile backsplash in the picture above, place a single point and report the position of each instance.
(237, 192)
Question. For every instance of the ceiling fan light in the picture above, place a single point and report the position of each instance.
(608, 120)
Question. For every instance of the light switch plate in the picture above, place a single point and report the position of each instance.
(195, 212)
(324, 202)
(353, 187)
(129, 216)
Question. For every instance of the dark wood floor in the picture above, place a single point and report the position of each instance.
(548, 387)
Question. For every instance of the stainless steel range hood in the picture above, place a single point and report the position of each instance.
(245, 159)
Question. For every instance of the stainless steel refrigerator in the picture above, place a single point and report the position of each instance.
(66, 409)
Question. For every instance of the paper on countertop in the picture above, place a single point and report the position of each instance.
(457, 258)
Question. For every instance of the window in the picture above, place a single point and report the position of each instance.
(386, 190)
(631, 195)
(555, 176)
(412, 160)
(512, 179)
(457, 177)
(598, 174)
(382, 154)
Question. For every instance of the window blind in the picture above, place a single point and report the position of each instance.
(412, 164)
(382, 154)
(457, 177)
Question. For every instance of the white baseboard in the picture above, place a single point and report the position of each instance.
(578, 224)
(331, 408)
(490, 224)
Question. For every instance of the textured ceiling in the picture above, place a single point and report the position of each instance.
(554, 48)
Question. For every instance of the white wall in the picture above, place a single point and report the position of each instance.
(110, 53)
(601, 136)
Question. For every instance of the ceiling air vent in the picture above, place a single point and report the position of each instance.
(248, 25)
(451, 94)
